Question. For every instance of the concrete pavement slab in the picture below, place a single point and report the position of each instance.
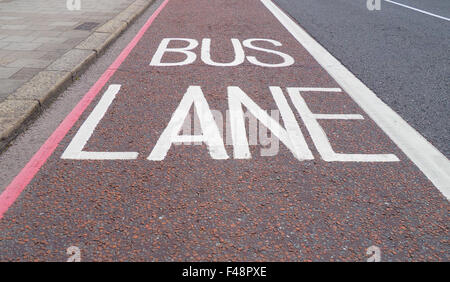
(96, 41)
(42, 86)
(13, 114)
(113, 26)
(73, 61)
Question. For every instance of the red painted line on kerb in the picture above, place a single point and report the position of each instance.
(13, 190)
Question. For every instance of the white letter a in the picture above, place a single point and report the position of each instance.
(211, 135)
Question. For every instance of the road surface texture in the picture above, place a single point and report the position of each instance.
(115, 178)
(401, 54)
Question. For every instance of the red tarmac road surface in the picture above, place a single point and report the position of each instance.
(196, 207)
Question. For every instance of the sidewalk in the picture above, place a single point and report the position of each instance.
(45, 44)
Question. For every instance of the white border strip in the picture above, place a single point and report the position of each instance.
(426, 157)
(418, 10)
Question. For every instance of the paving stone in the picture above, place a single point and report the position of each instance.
(48, 33)
(113, 26)
(130, 13)
(76, 33)
(74, 41)
(26, 73)
(5, 18)
(42, 86)
(18, 38)
(15, 108)
(53, 55)
(72, 60)
(13, 26)
(22, 46)
(7, 72)
(7, 127)
(6, 32)
(13, 114)
(39, 27)
(50, 40)
(96, 41)
(8, 86)
(29, 63)
(64, 23)
(51, 47)
(4, 61)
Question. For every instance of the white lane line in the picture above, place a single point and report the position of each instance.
(338, 116)
(427, 158)
(75, 149)
(418, 10)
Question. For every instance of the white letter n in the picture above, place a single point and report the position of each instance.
(292, 137)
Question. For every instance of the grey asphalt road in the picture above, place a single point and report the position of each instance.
(401, 54)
